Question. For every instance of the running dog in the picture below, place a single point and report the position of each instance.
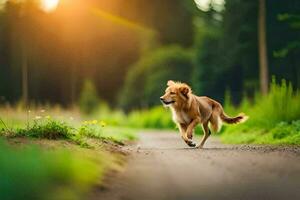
(188, 110)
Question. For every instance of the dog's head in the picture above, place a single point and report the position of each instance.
(176, 93)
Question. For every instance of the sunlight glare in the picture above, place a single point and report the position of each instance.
(49, 5)
(205, 5)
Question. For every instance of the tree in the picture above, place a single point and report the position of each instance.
(146, 81)
(262, 47)
(88, 100)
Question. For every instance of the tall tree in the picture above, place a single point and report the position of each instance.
(262, 47)
(24, 75)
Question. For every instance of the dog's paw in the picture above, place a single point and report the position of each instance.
(191, 143)
(199, 146)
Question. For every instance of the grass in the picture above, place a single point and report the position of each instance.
(95, 129)
(36, 172)
(155, 118)
(274, 118)
(52, 128)
(49, 129)
(65, 158)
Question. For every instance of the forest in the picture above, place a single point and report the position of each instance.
(80, 88)
(129, 50)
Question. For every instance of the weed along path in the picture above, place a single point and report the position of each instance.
(162, 167)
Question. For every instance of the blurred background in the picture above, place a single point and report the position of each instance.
(79, 78)
(52, 51)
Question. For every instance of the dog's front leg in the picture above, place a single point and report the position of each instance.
(182, 129)
(189, 132)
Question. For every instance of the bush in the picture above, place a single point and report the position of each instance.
(146, 81)
(49, 129)
(273, 118)
(89, 100)
(281, 104)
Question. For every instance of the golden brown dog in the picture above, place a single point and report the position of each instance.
(188, 110)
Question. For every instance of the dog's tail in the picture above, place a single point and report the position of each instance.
(233, 120)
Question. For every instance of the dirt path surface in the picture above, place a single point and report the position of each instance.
(162, 167)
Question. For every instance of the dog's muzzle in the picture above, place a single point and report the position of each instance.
(166, 102)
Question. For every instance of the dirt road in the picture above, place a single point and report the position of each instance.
(162, 167)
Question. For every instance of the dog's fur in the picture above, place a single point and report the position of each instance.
(188, 110)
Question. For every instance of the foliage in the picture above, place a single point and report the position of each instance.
(273, 118)
(226, 56)
(52, 129)
(88, 100)
(34, 173)
(102, 48)
(282, 133)
(147, 78)
(155, 118)
(49, 129)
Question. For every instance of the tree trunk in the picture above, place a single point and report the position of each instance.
(24, 76)
(73, 84)
(262, 48)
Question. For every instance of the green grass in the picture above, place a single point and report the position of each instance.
(155, 118)
(32, 172)
(95, 129)
(59, 168)
(50, 128)
(274, 118)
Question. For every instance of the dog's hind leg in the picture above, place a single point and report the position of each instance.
(215, 121)
(206, 134)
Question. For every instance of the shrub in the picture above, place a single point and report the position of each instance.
(273, 118)
(281, 104)
(88, 100)
(49, 129)
(91, 129)
(146, 81)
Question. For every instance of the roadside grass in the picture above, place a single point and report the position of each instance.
(274, 118)
(155, 118)
(49, 129)
(37, 172)
(65, 158)
(53, 127)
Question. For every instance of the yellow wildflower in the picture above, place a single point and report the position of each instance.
(102, 123)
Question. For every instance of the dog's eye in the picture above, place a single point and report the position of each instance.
(172, 92)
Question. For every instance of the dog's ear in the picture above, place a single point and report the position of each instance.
(185, 90)
(170, 82)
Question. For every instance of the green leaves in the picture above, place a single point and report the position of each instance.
(146, 81)
(49, 129)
